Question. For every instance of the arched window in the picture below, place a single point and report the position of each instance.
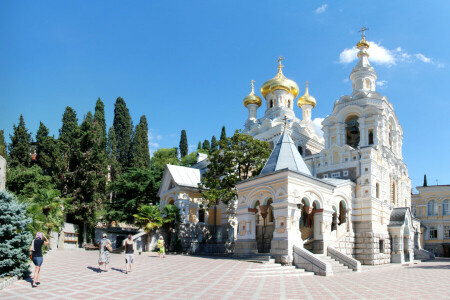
(271, 103)
(289, 103)
(432, 208)
(352, 131)
(300, 150)
(393, 193)
(201, 215)
(370, 137)
(377, 190)
(269, 211)
(390, 136)
(446, 208)
(367, 84)
(342, 212)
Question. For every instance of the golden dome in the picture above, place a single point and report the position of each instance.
(306, 99)
(362, 43)
(279, 82)
(252, 98)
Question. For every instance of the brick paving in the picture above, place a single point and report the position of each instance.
(72, 275)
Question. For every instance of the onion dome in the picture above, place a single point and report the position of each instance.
(306, 99)
(252, 98)
(279, 82)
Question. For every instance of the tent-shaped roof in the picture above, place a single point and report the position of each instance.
(185, 176)
(285, 156)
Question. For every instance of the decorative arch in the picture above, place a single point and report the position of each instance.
(259, 194)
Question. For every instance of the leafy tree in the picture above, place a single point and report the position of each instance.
(112, 154)
(15, 238)
(206, 146)
(171, 218)
(69, 126)
(223, 137)
(3, 145)
(160, 159)
(99, 118)
(49, 156)
(87, 175)
(183, 144)
(123, 128)
(140, 153)
(148, 218)
(25, 183)
(214, 144)
(240, 158)
(46, 210)
(133, 189)
(189, 159)
(19, 149)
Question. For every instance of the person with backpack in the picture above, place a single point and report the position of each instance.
(129, 251)
(104, 249)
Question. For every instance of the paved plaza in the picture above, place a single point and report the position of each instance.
(72, 275)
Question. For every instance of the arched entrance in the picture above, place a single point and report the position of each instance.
(264, 226)
(307, 220)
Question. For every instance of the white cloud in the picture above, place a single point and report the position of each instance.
(153, 145)
(321, 9)
(317, 122)
(382, 83)
(383, 56)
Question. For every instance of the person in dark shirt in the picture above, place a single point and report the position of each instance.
(129, 250)
(36, 255)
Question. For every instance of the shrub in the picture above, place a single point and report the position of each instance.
(15, 238)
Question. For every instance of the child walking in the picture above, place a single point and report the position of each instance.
(161, 247)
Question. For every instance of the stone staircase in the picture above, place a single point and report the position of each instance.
(336, 266)
(269, 268)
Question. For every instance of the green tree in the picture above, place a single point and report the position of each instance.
(19, 148)
(223, 137)
(171, 218)
(160, 159)
(15, 238)
(140, 153)
(189, 159)
(134, 188)
(49, 156)
(113, 159)
(87, 175)
(241, 158)
(214, 144)
(3, 145)
(25, 183)
(69, 126)
(148, 218)
(425, 180)
(46, 211)
(206, 146)
(199, 146)
(183, 144)
(123, 128)
(99, 118)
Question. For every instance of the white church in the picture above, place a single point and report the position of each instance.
(324, 204)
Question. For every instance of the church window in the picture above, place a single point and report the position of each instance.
(336, 158)
(367, 84)
(377, 187)
(370, 137)
(446, 232)
(432, 208)
(300, 150)
(335, 174)
(381, 244)
(171, 185)
(289, 103)
(433, 232)
(325, 175)
(201, 215)
(393, 193)
(346, 159)
(342, 212)
(271, 103)
(446, 208)
(352, 131)
(345, 173)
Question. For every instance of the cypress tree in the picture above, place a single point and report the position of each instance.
(213, 144)
(3, 144)
(45, 149)
(111, 150)
(16, 239)
(69, 126)
(183, 144)
(206, 146)
(223, 138)
(123, 128)
(199, 146)
(140, 153)
(19, 149)
(99, 118)
(425, 180)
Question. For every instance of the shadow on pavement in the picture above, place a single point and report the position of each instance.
(118, 270)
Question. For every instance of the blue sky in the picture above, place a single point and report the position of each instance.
(188, 64)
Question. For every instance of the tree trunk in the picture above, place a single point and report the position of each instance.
(84, 233)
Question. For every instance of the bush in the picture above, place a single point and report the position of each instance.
(15, 238)
(178, 247)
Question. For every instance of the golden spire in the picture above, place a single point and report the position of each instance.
(306, 99)
(280, 66)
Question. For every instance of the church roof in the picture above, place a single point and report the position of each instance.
(285, 156)
(398, 216)
(185, 176)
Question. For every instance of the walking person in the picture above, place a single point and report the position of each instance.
(104, 257)
(36, 255)
(162, 249)
(129, 251)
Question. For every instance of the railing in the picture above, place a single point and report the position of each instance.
(308, 261)
(344, 259)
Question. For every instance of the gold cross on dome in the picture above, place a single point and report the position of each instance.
(363, 32)
(279, 62)
(306, 83)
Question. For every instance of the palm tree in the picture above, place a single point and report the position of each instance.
(148, 218)
(171, 215)
(47, 211)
